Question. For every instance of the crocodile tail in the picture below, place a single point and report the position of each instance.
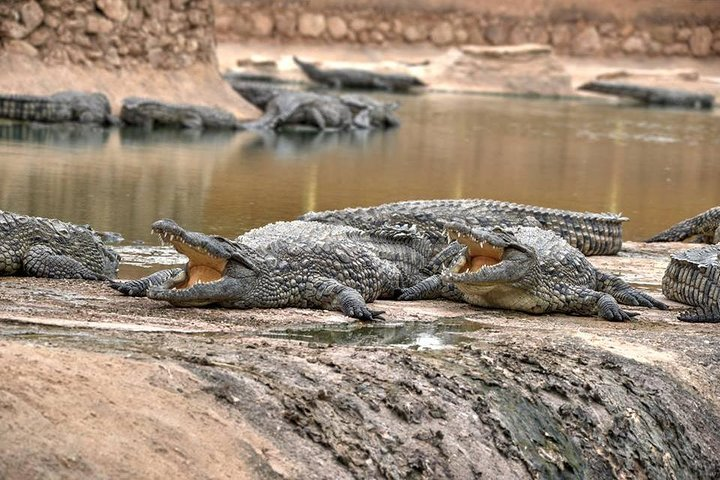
(705, 224)
(705, 314)
(34, 109)
(309, 69)
(591, 233)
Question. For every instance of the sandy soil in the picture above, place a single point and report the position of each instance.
(99, 385)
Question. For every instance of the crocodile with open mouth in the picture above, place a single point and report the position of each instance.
(288, 264)
(50, 248)
(693, 277)
(531, 270)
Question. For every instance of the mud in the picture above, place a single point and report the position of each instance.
(97, 385)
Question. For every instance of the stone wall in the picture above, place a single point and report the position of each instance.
(591, 28)
(166, 34)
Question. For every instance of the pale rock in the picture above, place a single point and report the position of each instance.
(662, 33)
(13, 30)
(337, 28)
(358, 24)
(518, 35)
(195, 17)
(286, 24)
(684, 34)
(262, 24)
(311, 24)
(21, 47)
(32, 15)
(461, 36)
(98, 24)
(701, 41)
(633, 45)
(442, 34)
(561, 35)
(52, 21)
(496, 34)
(41, 36)
(414, 33)
(587, 42)
(677, 49)
(113, 9)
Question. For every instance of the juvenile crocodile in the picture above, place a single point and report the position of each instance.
(356, 78)
(44, 247)
(67, 106)
(652, 95)
(149, 113)
(288, 264)
(706, 226)
(693, 277)
(591, 233)
(287, 107)
(531, 270)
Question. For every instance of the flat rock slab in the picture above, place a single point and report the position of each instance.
(95, 384)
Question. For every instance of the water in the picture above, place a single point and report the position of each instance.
(655, 166)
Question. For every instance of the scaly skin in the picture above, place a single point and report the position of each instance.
(531, 270)
(149, 113)
(321, 111)
(591, 233)
(43, 247)
(68, 106)
(652, 95)
(288, 264)
(706, 226)
(355, 78)
(693, 277)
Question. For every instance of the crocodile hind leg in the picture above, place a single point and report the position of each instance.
(584, 301)
(42, 261)
(706, 314)
(140, 286)
(330, 294)
(626, 294)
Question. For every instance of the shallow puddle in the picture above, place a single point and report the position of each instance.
(442, 333)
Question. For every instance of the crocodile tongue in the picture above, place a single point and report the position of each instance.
(478, 255)
(202, 266)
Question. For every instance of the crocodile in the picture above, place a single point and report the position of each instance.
(321, 111)
(149, 113)
(46, 247)
(356, 78)
(591, 233)
(531, 270)
(693, 278)
(66, 106)
(652, 95)
(704, 226)
(289, 264)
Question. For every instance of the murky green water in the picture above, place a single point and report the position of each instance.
(655, 166)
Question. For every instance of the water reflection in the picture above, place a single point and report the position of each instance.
(655, 166)
(62, 135)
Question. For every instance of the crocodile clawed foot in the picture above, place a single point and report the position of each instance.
(610, 310)
(131, 288)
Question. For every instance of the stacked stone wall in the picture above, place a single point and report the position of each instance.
(167, 34)
(569, 30)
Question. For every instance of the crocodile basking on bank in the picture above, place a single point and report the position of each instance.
(356, 78)
(150, 113)
(288, 264)
(44, 247)
(704, 226)
(693, 277)
(531, 270)
(591, 233)
(652, 95)
(67, 106)
(285, 108)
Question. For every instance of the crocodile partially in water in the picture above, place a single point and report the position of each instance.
(652, 95)
(693, 278)
(288, 264)
(361, 79)
(591, 233)
(66, 106)
(45, 247)
(532, 270)
(150, 113)
(705, 227)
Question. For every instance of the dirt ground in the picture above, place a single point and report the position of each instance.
(97, 385)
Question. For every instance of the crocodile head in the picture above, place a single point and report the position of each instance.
(494, 260)
(217, 271)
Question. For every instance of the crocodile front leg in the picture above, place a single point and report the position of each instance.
(329, 294)
(42, 261)
(624, 293)
(431, 288)
(140, 287)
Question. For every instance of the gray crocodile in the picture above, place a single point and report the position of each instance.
(66, 106)
(356, 78)
(289, 264)
(652, 95)
(693, 278)
(704, 226)
(591, 233)
(293, 108)
(531, 270)
(150, 113)
(45, 247)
